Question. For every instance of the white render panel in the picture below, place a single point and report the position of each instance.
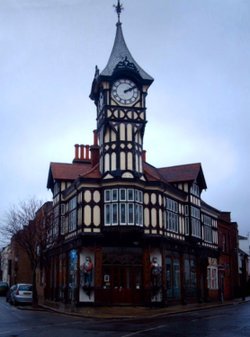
(130, 161)
(146, 217)
(87, 196)
(97, 196)
(106, 137)
(129, 132)
(113, 161)
(122, 160)
(87, 215)
(160, 199)
(122, 132)
(113, 136)
(160, 219)
(153, 217)
(107, 168)
(153, 198)
(97, 216)
(146, 198)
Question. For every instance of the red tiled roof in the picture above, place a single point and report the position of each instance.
(181, 173)
(152, 173)
(64, 171)
(94, 172)
(188, 172)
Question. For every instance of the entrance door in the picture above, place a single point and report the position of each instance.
(122, 275)
(124, 283)
(122, 287)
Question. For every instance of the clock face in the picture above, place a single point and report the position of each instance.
(125, 91)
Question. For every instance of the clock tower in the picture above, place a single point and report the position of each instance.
(119, 93)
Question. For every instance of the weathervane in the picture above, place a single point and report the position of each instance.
(118, 8)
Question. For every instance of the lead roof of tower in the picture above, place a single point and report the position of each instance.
(121, 57)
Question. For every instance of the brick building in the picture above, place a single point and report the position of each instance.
(228, 260)
(124, 231)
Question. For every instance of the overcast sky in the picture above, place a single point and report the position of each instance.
(198, 52)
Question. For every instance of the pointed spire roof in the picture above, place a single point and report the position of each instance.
(121, 58)
(120, 61)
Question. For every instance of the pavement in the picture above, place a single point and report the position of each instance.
(132, 312)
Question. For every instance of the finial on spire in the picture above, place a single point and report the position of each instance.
(118, 8)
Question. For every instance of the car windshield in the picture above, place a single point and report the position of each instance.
(25, 287)
(3, 283)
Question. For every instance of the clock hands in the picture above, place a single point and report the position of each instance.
(129, 89)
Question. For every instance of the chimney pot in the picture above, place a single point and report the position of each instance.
(76, 151)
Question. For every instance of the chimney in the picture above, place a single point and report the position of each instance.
(144, 152)
(82, 153)
(87, 152)
(76, 152)
(94, 149)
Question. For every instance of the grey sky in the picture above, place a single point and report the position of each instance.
(198, 52)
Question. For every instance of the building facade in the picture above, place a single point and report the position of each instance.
(124, 231)
(228, 275)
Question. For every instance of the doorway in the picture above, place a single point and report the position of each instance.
(122, 276)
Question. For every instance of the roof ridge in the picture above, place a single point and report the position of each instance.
(180, 165)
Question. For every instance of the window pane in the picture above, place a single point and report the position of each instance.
(115, 195)
(107, 214)
(107, 195)
(130, 195)
(115, 214)
(140, 215)
(131, 213)
(136, 214)
(122, 194)
(123, 213)
(140, 196)
(136, 195)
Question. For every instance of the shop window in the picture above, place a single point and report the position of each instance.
(190, 275)
(173, 278)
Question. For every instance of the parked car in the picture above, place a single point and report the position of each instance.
(4, 287)
(9, 294)
(22, 293)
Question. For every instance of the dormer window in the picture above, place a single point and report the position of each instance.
(56, 189)
(195, 190)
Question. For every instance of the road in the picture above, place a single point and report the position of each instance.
(227, 321)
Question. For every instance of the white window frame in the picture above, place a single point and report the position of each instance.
(212, 278)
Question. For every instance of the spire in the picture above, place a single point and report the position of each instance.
(120, 57)
(118, 8)
(120, 60)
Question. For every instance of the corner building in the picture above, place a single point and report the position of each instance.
(124, 231)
